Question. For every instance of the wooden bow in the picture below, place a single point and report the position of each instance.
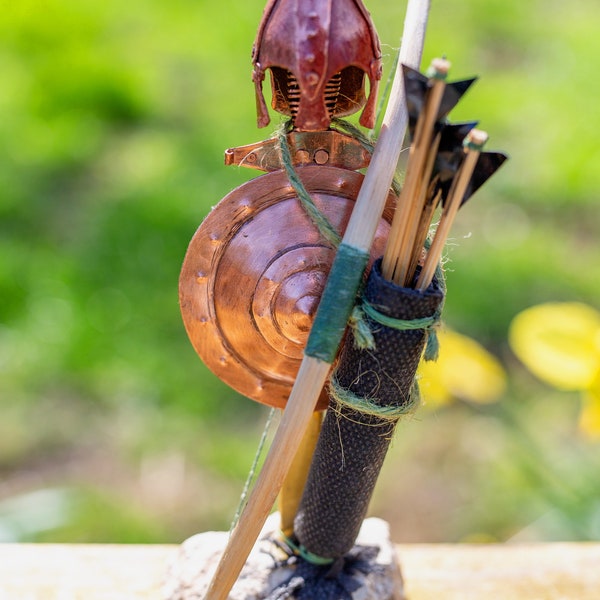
(318, 356)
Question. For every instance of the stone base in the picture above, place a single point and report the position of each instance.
(267, 567)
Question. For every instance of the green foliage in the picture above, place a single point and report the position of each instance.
(113, 120)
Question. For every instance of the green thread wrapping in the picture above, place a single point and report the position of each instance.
(325, 228)
(363, 337)
(397, 324)
(301, 551)
(344, 398)
(336, 303)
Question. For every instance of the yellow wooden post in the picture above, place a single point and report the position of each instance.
(293, 485)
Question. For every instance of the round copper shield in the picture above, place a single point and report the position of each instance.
(254, 273)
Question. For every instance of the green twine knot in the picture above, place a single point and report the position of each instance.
(363, 336)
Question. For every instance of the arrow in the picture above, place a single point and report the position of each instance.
(463, 185)
(445, 166)
(429, 100)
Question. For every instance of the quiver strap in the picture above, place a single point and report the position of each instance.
(353, 441)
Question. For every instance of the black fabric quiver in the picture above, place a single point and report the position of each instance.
(352, 444)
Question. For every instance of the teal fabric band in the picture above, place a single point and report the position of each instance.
(336, 303)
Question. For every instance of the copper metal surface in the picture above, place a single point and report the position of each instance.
(319, 147)
(318, 53)
(254, 273)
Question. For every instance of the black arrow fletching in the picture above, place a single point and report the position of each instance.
(452, 94)
(487, 164)
(416, 86)
(450, 149)
(450, 154)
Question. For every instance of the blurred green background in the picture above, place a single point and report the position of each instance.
(113, 121)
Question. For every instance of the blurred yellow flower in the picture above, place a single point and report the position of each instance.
(464, 370)
(589, 417)
(560, 344)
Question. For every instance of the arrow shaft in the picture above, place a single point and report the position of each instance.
(455, 196)
(397, 255)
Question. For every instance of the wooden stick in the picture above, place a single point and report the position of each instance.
(294, 422)
(420, 218)
(378, 179)
(423, 230)
(313, 372)
(475, 141)
(406, 219)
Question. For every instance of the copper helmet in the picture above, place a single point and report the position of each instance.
(318, 52)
